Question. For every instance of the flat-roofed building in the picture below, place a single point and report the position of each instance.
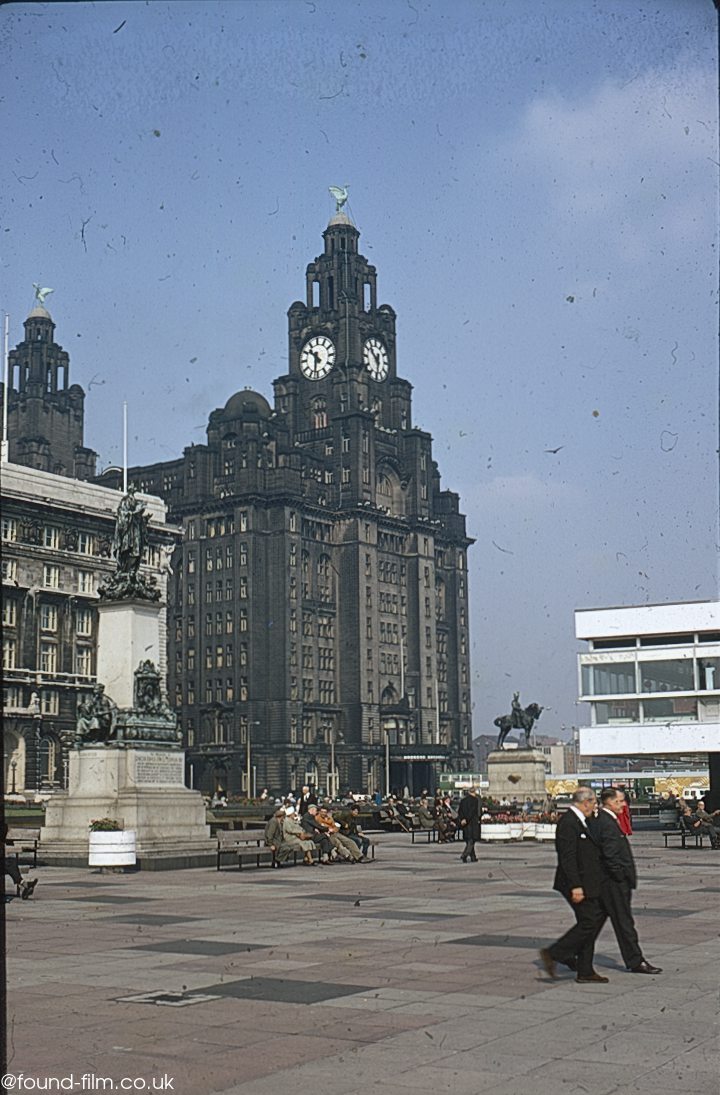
(651, 675)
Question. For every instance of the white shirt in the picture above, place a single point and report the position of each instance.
(582, 817)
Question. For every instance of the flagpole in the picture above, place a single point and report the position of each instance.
(6, 393)
(125, 449)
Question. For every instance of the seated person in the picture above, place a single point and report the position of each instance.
(694, 824)
(24, 888)
(703, 815)
(446, 821)
(295, 837)
(274, 838)
(350, 827)
(317, 832)
(424, 814)
(342, 844)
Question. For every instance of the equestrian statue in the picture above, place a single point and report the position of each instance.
(519, 719)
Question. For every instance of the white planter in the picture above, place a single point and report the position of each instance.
(112, 849)
(516, 830)
(495, 832)
(529, 830)
(545, 831)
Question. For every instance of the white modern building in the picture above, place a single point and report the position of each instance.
(651, 675)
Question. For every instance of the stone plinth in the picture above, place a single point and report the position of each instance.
(128, 634)
(140, 787)
(525, 763)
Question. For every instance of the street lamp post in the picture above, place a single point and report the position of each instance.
(13, 766)
(249, 789)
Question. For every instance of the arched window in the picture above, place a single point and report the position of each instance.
(318, 414)
(389, 696)
(389, 492)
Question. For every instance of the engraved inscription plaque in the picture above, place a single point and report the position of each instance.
(160, 769)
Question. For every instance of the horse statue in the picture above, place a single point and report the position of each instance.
(520, 719)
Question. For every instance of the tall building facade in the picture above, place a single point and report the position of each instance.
(45, 412)
(318, 627)
(56, 552)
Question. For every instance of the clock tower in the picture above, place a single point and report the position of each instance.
(319, 612)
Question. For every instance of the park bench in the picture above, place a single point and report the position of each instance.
(687, 837)
(22, 842)
(431, 834)
(242, 846)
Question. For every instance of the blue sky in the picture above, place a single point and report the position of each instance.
(536, 184)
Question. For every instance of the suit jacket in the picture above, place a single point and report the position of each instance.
(469, 812)
(579, 863)
(615, 849)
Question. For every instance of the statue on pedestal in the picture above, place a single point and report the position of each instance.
(96, 716)
(520, 718)
(129, 543)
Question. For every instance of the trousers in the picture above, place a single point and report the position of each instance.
(616, 901)
(578, 944)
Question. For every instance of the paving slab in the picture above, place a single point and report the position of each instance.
(412, 972)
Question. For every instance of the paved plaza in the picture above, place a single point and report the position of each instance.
(414, 973)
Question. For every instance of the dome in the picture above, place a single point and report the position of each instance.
(341, 220)
(39, 312)
(246, 403)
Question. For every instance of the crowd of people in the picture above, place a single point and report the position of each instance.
(304, 826)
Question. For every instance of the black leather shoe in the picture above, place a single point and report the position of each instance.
(593, 979)
(548, 963)
(645, 967)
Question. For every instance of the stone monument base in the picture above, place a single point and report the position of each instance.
(528, 764)
(140, 787)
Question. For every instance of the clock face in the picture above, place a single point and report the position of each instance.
(375, 358)
(317, 357)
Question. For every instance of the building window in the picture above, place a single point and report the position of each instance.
(51, 537)
(12, 697)
(9, 529)
(616, 712)
(609, 679)
(670, 710)
(86, 581)
(51, 576)
(243, 589)
(48, 617)
(307, 690)
(86, 543)
(9, 570)
(190, 594)
(219, 657)
(345, 478)
(9, 653)
(243, 620)
(243, 521)
(191, 562)
(208, 658)
(243, 689)
(674, 675)
(48, 658)
(229, 589)
(83, 661)
(218, 623)
(708, 674)
(9, 613)
(190, 659)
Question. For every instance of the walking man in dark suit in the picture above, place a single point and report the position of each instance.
(580, 877)
(469, 820)
(622, 879)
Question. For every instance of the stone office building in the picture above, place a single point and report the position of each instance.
(318, 622)
(56, 544)
(56, 551)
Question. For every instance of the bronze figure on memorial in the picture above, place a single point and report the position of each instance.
(96, 715)
(520, 718)
(130, 540)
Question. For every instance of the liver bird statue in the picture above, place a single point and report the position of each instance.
(340, 194)
(40, 293)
